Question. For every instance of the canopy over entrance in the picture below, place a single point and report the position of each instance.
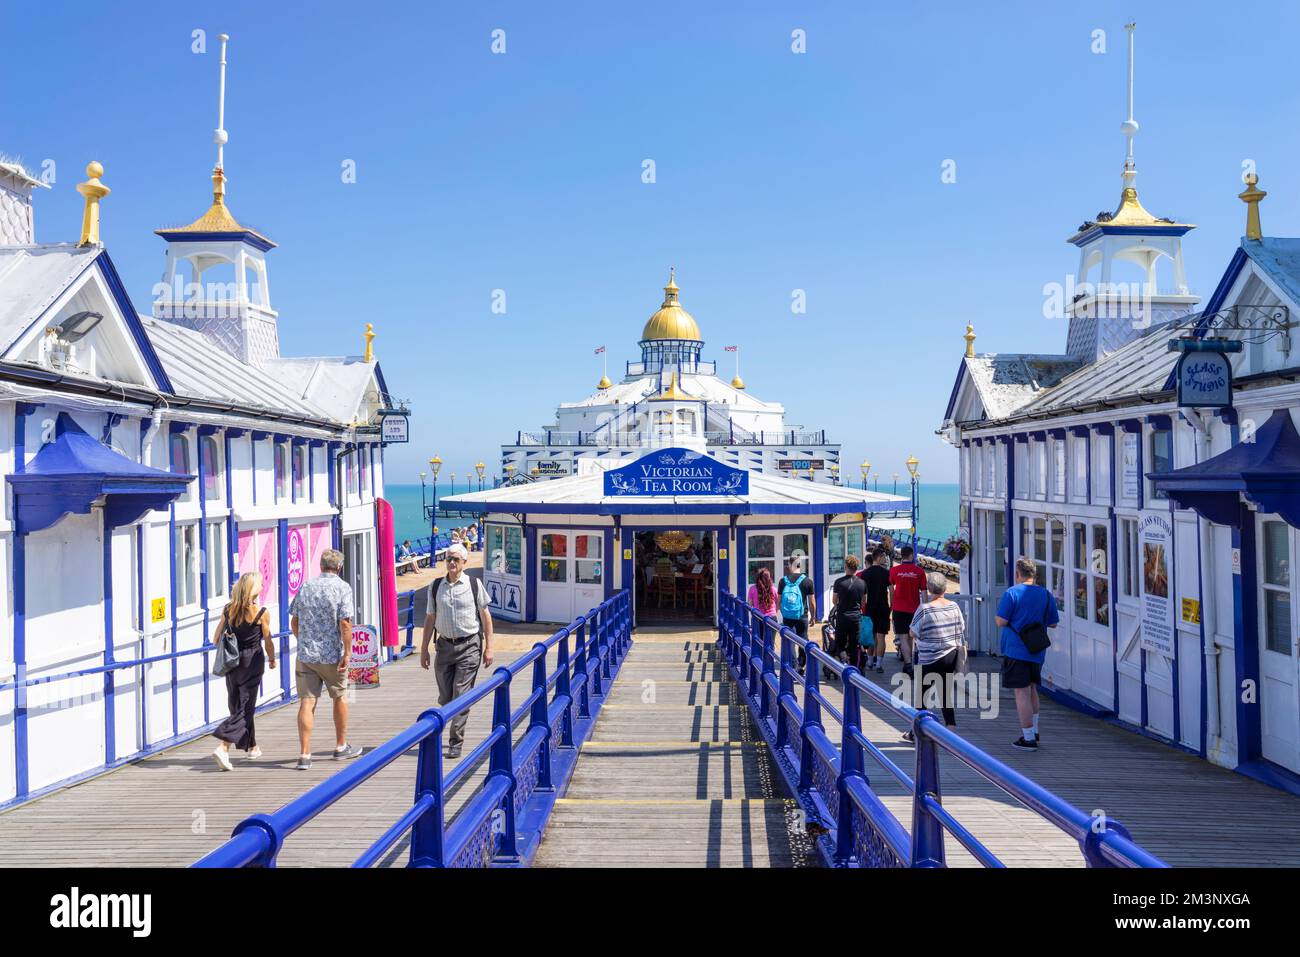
(69, 474)
(676, 481)
(1263, 472)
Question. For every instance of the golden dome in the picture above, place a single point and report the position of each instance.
(604, 383)
(671, 321)
(738, 383)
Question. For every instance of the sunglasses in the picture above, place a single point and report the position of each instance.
(453, 558)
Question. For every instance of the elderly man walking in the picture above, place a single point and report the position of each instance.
(320, 616)
(458, 611)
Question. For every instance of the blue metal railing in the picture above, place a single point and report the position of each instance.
(929, 547)
(831, 782)
(288, 691)
(502, 822)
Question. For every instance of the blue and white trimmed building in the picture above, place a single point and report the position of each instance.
(672, 397)
(1167, 534)
(147, 462)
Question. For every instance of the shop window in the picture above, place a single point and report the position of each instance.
(349, 473)
(504, 549)
(554, 549)
(281, 472)
(186, 551)
(363, 474)
(1162, 456)
(300, 467)
(216, 559)
(209, 464)
(1130, 566)
(1276, 584)
(1079, 476)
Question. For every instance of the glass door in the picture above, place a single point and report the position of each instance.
(1279, 693)
(554, 590)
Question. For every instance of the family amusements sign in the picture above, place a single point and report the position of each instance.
(676, 472)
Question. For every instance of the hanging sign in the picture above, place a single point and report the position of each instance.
(363, 665)
(1204, 373)
(676, 472)
(394, 428)
(1156, 538)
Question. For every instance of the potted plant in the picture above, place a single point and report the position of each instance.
(956, 548)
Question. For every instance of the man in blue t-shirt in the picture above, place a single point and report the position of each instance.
(1023, 604)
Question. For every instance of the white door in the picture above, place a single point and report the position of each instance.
(571, 574)
(771, 550)
(1090, 635)
(989, 551)
(1278, 693)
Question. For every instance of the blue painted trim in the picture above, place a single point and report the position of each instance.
(132, 319)
(1273, 775)
(171, 548)
(608, 577)
(1097, 230)
(1174, 665)
(1011, 512)
(110, 698)
(21, 756)
(203, 574)
(1200, 591)
(819, 562)
(282, 571)
(1249, 725)
(531, 561)
(246, 236)
(956, 390)
(722, 566)
(742, 568)
(816, 508)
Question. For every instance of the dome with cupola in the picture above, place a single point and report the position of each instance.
(671, 321)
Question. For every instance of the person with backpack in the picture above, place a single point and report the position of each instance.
(458, 612)
(798, 602)
(1024, 614)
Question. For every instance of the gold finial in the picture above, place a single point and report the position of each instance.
(970, 341)
(1251, 196)
(738, 383)
(94, 191)
(604, 383)
(370, 339)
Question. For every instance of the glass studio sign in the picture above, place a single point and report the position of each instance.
(676, 472)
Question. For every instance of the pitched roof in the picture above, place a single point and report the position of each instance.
(31, 279)
(1008, 382)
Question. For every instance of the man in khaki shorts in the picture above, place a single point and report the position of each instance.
(320, 616)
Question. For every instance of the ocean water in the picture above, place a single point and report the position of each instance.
(937, 516)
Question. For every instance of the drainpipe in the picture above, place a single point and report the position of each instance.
(146, 443)
(1209, 623)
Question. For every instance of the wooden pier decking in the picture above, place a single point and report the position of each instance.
(674, 774)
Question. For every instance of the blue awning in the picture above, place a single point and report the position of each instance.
(1265, 471)
(70, 473)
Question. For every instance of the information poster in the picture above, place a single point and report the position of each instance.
(1129, 466)
(1156, 539)
(363, 666)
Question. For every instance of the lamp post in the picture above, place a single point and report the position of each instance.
(435, 464)
(866, 467)
(912, 463)
(480, 468)
(510, 472)
(895, 483)
(835, 473)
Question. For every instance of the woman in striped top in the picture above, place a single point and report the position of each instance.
(938, 631)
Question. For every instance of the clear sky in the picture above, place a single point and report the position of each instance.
(775, 171)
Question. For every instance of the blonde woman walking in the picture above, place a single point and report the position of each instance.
(253, 633)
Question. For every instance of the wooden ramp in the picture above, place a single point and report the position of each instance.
(674, 774)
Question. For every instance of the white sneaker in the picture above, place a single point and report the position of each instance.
(223, 759)
(254, 754)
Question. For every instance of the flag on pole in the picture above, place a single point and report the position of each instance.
(730, 348)
(599, 350)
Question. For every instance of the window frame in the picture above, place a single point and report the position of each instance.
(188, 573)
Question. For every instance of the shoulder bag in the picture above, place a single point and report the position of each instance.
(225, 658)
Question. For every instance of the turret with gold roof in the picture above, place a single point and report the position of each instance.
(215, 278)
(671, 337)
(1107, 310)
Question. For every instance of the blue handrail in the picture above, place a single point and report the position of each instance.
(831, 782)
(502, 823)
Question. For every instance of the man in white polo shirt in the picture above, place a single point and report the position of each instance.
(458, 611)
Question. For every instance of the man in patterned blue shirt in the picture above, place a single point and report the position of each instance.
(320, 616)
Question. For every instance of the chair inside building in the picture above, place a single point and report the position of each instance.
(675, 575)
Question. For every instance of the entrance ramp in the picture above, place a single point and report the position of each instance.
(674, 773)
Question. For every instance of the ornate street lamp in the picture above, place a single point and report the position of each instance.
(911, 464)
(480, 468)
(435, 464)
(835, 473)
(866, 467)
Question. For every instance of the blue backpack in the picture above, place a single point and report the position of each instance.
(791, 597)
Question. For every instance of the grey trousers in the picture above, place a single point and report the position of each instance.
(455, 666)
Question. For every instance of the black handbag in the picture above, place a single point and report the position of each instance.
(1034, 635)
(225, 658)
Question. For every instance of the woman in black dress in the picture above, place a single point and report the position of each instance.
(250, 626)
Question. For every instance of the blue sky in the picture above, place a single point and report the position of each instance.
(775, 171)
